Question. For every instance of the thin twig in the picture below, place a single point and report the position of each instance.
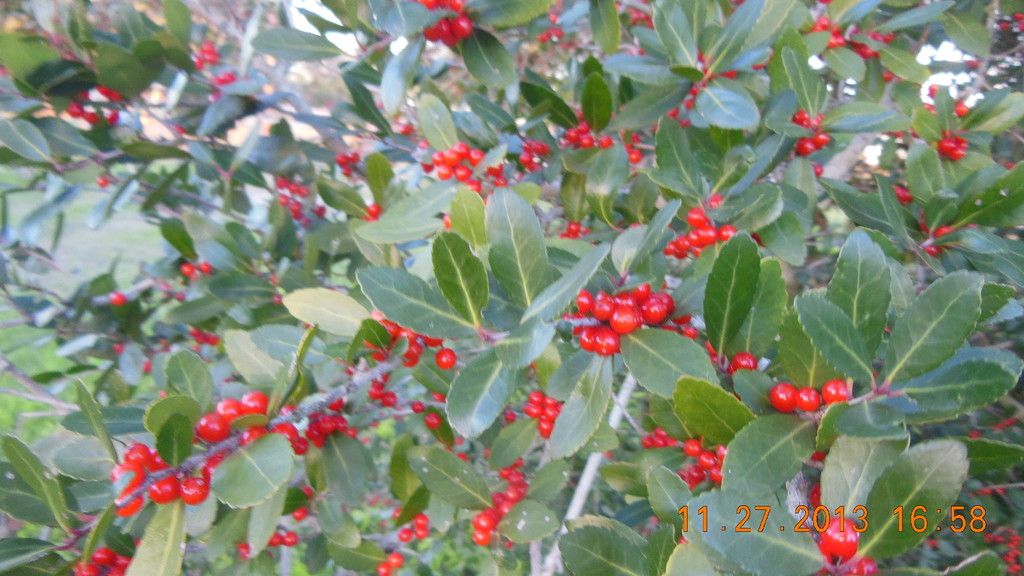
(38, 393)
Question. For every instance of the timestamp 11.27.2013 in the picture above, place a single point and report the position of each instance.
(818, 518)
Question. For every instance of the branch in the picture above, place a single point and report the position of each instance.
(35, 391)
(554, 559)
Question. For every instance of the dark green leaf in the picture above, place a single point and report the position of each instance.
(766, 453)
(467, 216)
(525, 343)
(971, 379)
(399, 73)
(864, 117)
(852, 466)
(512, 442)
(803, 363)
(411, 302)
(810, 90)
(727, 104)
(24, 139)
(84, 458)
(904, 64)
(508, 14)
(596, 102)
(604, 24)
(643, 69)
(659, 358)
(264, 518)
(833, 334)
(998, 204)
(675, 32)
(93, 413)
(174, 441)
(31, 471)
(541, 97)
(709, 411)
(549, 480)
(241, 288)
(861, 286)
(347, 467)
(295, 45)
(162, 549)
(15, 552)
(254, 473)
(761, 326)
(528, 521)
(123, 71)
(460, 276)
(667, 493)
(559, 293)
(450, 478)
(518, 255)
(488, 60)
(916, 16)
(730, 289)
(587, 403)
(436, 122)
(412, 218)
(478, 394)
(598, 550)
(990, 455)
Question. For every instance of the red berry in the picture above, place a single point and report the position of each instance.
(396, 559)
(254, 402)
(139, 454)
(656, 310)
(839, 540)
(252, 434)
(808, 399)
(584, 302)
(603, 307)
(864, 567)
(725, 233)
(445, 358)
(207, 268)
(213, 428)
(822, 139)
(230, 409)
(707, 459)
(697, 218)
(606, 341)
(802, 118)
(432, 420)
(545, 427)
(743, 361)
(300, 514)
(102, 181)
(835, 391)
(783, 397)
(806, 147)
(118, 299)
(481, 538)
(194, 491)
(164, 491)
(405, 535)
(462, 27)
(692, 447)
(903, 195)
(626, 319)
(417, 407)
(484, 522)
(384, 569)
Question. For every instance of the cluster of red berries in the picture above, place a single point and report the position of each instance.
(658, 439)
(545, 409)
(140, 459)
(573, 230)
(1014, 542)
(708, 465)
(952, 146)
(208, 55)
(808, 146)
(76, 109)
(104, 562)
(224, 78)
(929, 246)
(580, 137)
(624, 313)
(824, 24)
(395, 561)
(420, 527)
(554, 33)
(867, 52)
(449, 163)
(485, 523)
(192, 271)
(449, 31)
(346, 162)
(321, 425)
(703, 233)
(203, 337)
(785, 397)
(1012, 22)
(445, 357)
(531, 157)
(291, 196)
(638, 17)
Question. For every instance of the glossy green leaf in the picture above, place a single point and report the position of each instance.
(461, 276)
(93, 413)
(766, 453)
(543, 98)
(587, 403)
(600, 550)
(762, 324)
(174, 441)
(450, 478)
(561, 292)
(436, 122)
(162, 549)
(348, 467)
(998, 204)
(810, 90)
(518, 255)
(860, 286)
(412, 218)
(478, 394)
(15, 552)
(32, 472)
(263, 521)
(727, 104)
(596, 102)
(904, 64)
(488, 60)
(667, 493)
(529, 520)
(255, 472)
(731, 288)
(411, 302)
(930, 475)
(512, 442)
(676, 34)
(24, 139)
(332, 311)
(852, 466)
(604, 25)
(467, 216)
(709, 411)
(833, 334)
(803, 363)
(507, 14)
(935, 325)
(294, 45)
(992, 455)
(659, 358)
(971, 379)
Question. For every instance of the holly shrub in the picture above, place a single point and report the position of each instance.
(632, 288)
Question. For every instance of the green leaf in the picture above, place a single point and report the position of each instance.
(92, 412)
(871, 419)
(935, 325)
(518, 255)
(411, 302)
(404, 18)
(542, 97)
(174, 441)
(255, 472)
(412, 218)
(709, 411)
(488, 60)
(761, 326)
(771, 552)
(860, 286)
(256, 366)
(461, 276)
(241, 288)
(84, 458)
(264, 519)
(378, 174)
(689, 560)
(995, 205)
(667, 493)
(436, 122)
(785, 238)
(904, 64)
(529, 520)
(602, 551)
(642, 68)
(604, 24)
(915, 16)
(24, 139)
(731, 288)
(971, 379)
(967, 32)
(677, 166)
(810, 90)
(549, 480)
(596, 102)
(64, 139)
(478, 394)
(162, 549)
(499, 14)
(450, 478)
(727, 104)
(366, 556)
(864, 117)
(647, 108)
(766, 453)
(525, 344)
(31, 471)
(467, 216)
(561, 292)
(846, 64)
(179, 20)
(512, 442)
(1001, 117)
(348, 467)
(659, 358)
(802, 362)
(294, 45)
(833, 334)
(852, 466)
(15, 552)
(675, 32)
(991, 455)
(929, 475)
(399, 73)
(123, 71)
(587, 403)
